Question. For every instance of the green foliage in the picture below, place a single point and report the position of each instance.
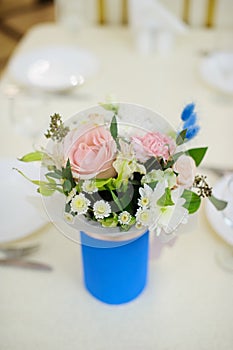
(181, 137)
(192, 201)
(57, 130)
(166, 198)
(32, 157)
(197, 154)
(110, 107)
(67, 174)
(111, 221)
(218, 203)
(113, 128)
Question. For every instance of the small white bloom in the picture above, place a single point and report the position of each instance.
(69, 218)
(89, 186)
(146, 193)
(101, 209)
(143, 217)
(79, 204)
(71, 195)
(124, 218)
(138, 225)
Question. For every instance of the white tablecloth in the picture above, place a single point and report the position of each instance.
(187, 303)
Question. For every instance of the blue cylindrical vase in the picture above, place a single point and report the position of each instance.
(115, 272)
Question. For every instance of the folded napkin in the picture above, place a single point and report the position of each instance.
(154, 25)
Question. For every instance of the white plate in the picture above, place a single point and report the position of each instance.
(53, 68)
(217, 70)
(215, 217)
(20, 205)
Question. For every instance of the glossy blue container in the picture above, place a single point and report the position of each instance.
(115, 272)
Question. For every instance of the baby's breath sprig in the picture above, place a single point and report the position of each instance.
(203, 188)
(57, 131)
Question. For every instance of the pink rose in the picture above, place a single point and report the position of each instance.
(153, 144)
(186, 169)
(91, 151)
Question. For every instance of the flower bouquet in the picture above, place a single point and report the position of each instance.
(120, 171)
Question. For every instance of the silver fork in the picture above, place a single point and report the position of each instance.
(13, 256)
(18, 251)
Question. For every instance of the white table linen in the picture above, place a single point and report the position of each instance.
(187, 303)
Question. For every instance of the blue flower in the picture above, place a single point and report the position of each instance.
(187, 111)
(192, 132)
(191, 121)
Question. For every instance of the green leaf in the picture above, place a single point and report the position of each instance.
(166, 199)
(192, 201)
(113, 128)
(152, 184)
(110, 221)
(100, 183)
(54, 175)
(35, 182)
(197, 154)
(151, 164)
(67, 173)
(67, 187)
(181, 137)
(110, 107)
(32, 157)
(46, 189)
(117, 201)
(218, 203)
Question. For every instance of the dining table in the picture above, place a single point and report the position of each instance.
(187, 302)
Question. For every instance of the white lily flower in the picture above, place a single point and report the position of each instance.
(171, 216)
(167, 177)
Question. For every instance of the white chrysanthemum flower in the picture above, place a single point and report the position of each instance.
(79, 204)
(69, 218)
(71, 195)
(124, 218)
(146, 193)
(143, 217)
(88, 186)
(138, 225)
(101, 209)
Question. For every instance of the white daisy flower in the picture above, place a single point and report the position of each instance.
(71, 195)
(138, 225)
(146, 193)
(88, 186)
(101, 209)
(69, 218)
(79, 204)
(124, 218)
(143, 217)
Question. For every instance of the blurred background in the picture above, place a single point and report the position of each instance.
(17, 17)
